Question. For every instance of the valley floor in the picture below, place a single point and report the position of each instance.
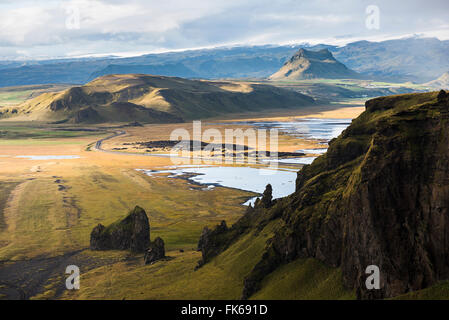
(49, 205)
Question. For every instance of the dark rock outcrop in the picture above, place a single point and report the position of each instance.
(86, 115)
(442, 96)
(155, 252)
(211, 243)
(131, 233)
(267, 198)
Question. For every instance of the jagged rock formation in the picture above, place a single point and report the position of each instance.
(379, 196)
(155, 252)
(211, 243)
(267, 198)
(131, 233)
(307, 64)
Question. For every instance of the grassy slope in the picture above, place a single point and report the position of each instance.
(6, 188)
(439, 291)
(304, 279)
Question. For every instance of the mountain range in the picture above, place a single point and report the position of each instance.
(410, 59)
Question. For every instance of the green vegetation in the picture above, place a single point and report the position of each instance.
(439, 291)
(304, 279)
(12, 96)
(5, 189)
(8, 132)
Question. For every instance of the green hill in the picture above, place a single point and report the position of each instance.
(152, 99)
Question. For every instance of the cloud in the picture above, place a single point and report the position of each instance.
(46, 27)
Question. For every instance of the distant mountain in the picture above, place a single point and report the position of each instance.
(412, 59)
(175, 69)
(441, 83)
(218, 63)
(307, 64)
(152, 99)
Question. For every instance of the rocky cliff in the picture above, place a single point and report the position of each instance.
(379, 196)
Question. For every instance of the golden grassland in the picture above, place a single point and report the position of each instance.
(50, 207)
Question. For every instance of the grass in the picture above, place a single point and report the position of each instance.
(8, 132)
(304, 279)
(439, 291)
(37, 223)
(5, 189)
(11, 96)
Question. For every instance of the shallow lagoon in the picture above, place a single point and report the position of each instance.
(309, 128)
(243, 178)
(256, 179)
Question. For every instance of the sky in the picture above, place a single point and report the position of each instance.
(31, 29)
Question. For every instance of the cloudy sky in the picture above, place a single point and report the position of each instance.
(50, 28)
